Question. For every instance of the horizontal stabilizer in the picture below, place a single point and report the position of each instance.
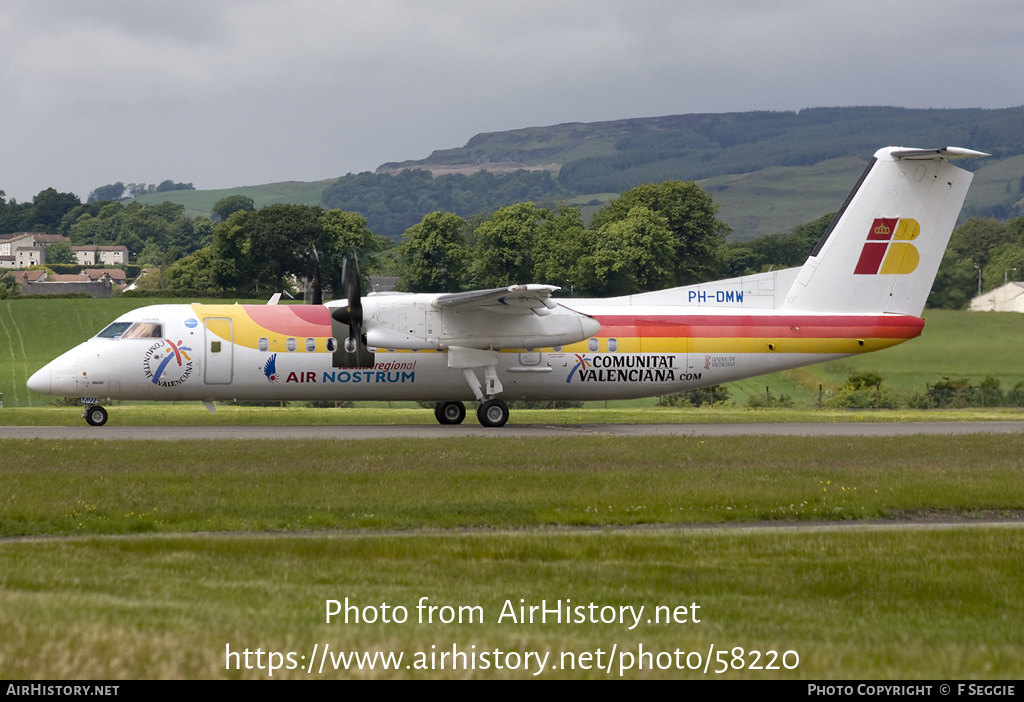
(945, 154)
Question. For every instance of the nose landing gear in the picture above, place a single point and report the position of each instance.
(95, 415)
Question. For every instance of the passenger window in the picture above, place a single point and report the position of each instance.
(290, 344)
(593, 345)
(214, 347)
(311, 344)
(332, 344)
(613, 345)
(263, 344)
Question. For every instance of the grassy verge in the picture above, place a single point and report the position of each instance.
(879, 604)
(111, 487)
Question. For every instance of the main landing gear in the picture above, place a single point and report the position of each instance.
(450, 412)
(490, 413)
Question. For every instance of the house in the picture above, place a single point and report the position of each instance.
(116, 276)
(24, 249)
(101, 255)
(20, 250)
(98, 283)
(1007, 298)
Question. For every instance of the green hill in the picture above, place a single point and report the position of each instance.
(201, 202)
(769, 171)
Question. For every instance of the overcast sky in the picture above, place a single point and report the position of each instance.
(223, 93)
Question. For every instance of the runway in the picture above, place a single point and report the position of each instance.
(437, 431)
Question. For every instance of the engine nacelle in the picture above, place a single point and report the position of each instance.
(412, 322)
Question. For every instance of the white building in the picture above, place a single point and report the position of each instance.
(25, 249)
(101, 255)
(1008, 298)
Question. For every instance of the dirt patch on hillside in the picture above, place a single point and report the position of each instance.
(498, 167)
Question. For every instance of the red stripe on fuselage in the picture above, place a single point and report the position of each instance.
(292, 320)
(748, 326)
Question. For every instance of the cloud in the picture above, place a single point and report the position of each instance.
(237, 92)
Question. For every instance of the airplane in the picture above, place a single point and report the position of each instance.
(863, 288)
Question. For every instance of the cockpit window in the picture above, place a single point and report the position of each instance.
(130, 330)
(145, 330)
(115, 330)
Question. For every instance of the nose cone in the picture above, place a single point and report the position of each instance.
(42, 380)
(590, 326)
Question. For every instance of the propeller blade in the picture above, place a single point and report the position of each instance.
(318, 297)
(352, 313)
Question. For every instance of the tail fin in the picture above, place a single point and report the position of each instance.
(883, 249)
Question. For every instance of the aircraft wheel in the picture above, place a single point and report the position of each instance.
(450, 412)
(492, 413)
(96, 416)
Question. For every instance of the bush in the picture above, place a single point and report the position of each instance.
(711, 395)
(864, 391)
(1015, 398)
(951, 393)
(770, 401)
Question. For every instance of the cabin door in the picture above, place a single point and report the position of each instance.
(219, 350)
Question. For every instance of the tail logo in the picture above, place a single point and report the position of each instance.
(888, 250)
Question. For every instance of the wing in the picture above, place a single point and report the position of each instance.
(515, 299)
(516, 317)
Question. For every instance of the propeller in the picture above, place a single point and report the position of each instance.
(314, 263)
(352, 313)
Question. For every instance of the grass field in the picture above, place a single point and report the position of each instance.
(871, 604)
(145, 559)
(200, 203)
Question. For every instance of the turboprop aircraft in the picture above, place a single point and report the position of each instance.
(862, 289)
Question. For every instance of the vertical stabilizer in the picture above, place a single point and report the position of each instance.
(883, 250)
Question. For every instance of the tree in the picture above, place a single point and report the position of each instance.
(558, 245)
(629, 255)
(504, 245)
(1006, 263)
(169, 186)
(281, 238)
(231, 265)
(345, 235)
(774, 250)
(50, 208)
(975, 238)
(114, 191)
(956, 282)
(689, 213)
(433, 255)
(227, 206)
(60, 252)
(8, 287)
(195, 273)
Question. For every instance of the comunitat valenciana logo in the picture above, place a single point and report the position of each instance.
(167, 364)
(888, 250)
